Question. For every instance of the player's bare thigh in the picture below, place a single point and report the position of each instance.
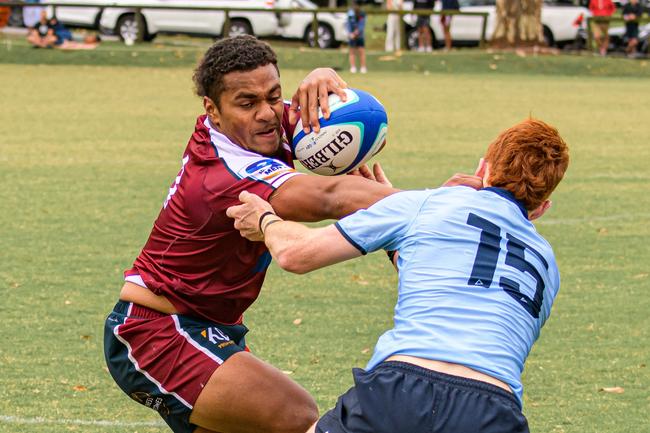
(247, 395)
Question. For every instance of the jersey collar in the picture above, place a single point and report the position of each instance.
(508, 196)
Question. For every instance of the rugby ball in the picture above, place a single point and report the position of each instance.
(354, 133)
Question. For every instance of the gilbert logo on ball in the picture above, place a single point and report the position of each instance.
(354, 133)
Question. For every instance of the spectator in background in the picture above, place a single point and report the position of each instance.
(632, 11)
(41, 34)
(600, 29)
(393, 24)
(356, 38)
(422, 24)
(32, 14)
(66, 40)
(4, 16)
(50, 33)
(445, 20)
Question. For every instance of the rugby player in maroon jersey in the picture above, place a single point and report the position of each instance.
(175, 340)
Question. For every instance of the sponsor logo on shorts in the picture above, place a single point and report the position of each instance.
(155, 403)
(217, 336)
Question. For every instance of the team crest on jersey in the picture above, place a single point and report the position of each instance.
(265, 169)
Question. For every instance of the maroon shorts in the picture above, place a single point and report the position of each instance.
(163, 361)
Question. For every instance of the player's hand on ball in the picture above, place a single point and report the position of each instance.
(247, 215)
(377, 174)
(312, 93)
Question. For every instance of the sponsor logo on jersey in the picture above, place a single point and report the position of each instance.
(265, 169)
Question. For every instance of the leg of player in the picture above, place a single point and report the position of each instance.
(247, 395)
(352, 58)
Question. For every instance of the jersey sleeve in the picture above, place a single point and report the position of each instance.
(261, 176)
(383, 224)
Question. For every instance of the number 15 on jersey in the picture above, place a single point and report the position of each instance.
(487, 255)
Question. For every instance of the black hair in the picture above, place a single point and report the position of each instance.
(241, 53)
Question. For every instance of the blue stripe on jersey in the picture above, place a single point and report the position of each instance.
(263, 262)
(349, 239)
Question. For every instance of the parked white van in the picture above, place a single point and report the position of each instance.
(332, 29)
(123, 21)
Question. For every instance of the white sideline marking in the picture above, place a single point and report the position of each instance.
(7, 419)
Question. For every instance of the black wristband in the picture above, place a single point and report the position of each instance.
(269, 223)
(391, 256)
(265, 214)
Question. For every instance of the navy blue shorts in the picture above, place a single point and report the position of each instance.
(397, 397)
(632, 32)
(163, 361)
(422, 21)
(357, 43)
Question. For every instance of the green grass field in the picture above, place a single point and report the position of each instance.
(87, 154)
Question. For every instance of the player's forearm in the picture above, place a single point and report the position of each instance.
(290, 245)
(352, 194)
(316, 198)
(320, 198)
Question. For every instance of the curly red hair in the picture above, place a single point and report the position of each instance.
(529, 160)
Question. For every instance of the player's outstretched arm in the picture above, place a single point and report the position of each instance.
(316, 198)
(312, 93)
(295, 247)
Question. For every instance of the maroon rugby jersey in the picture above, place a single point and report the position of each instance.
(194, 255)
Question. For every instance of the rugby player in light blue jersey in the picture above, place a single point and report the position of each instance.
(476, 284)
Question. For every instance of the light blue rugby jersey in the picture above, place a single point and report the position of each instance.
(476, 280)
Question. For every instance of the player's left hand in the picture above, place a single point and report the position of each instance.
(377, 174)
(462, 179)
(313, 93)
(473, 181)
(247, 215)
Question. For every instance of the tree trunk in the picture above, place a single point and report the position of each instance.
(519, 24)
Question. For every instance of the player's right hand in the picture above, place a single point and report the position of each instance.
(312, 93)
(247, 215)
(377, 174)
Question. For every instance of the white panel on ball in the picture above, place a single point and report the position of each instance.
(355, 131)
